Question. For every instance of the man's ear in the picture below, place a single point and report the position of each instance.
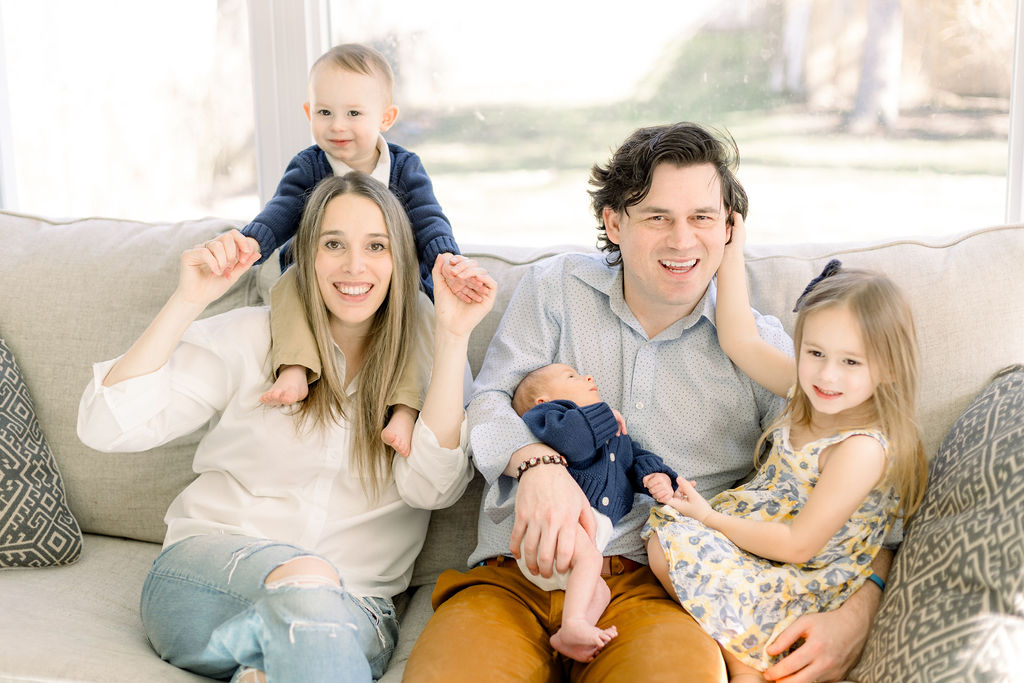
(305, 108)
(388, 120)
(611, 224)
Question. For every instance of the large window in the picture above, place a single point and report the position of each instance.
(855, 120)
(128, 109)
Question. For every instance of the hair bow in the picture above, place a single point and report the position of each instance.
(831, 268)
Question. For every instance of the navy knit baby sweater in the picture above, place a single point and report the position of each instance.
(607, 467)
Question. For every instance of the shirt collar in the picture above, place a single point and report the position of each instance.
(607, 279)
(381, 172)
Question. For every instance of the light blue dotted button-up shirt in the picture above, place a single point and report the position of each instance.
(681, 396)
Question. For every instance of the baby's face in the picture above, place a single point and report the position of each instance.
(563, 382)
(347, 111)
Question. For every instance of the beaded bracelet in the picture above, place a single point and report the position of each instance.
(541, 460)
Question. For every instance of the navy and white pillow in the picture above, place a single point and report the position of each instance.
(954, 606)
(37, 528)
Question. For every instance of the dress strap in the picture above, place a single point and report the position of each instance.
(843, 436)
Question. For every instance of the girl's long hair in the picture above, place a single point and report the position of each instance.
(388, 344)
(887, 327)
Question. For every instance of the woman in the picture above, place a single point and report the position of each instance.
(281, 558)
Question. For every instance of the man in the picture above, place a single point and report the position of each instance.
(640, 319)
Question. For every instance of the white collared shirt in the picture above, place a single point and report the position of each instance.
(381, 172)
(258, 475)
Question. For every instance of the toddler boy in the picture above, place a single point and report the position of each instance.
(350, 106)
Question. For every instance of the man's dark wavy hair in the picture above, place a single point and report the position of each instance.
(626, 180)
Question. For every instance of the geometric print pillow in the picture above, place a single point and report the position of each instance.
(953, 609)
(37, 528)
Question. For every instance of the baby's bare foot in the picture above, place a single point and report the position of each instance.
(579, 640)
(397, 432)
(290, 387)
(401, 445)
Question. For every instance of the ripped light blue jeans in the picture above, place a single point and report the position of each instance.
(205, 608)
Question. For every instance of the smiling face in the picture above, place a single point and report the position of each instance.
(353, 264)
(561, 382)
(671, 243)
(347, 111)
(833, 366)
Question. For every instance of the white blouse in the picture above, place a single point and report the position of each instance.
(258, 475)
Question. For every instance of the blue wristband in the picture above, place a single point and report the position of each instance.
(878, 581)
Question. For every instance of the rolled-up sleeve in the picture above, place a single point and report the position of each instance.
(150, 410)
(433, 477)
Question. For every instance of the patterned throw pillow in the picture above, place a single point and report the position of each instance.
(954, 606)
(37, 528)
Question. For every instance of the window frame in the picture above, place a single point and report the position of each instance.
(1015, 151)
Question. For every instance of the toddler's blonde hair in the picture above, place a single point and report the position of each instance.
(360, 59)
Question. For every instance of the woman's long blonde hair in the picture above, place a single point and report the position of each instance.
(389, 340)
(887, 327)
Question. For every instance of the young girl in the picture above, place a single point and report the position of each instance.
(845, 457)
(281, 558)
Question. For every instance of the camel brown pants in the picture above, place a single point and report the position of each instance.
(492, 623)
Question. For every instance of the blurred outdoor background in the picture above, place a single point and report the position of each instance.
(855, 119)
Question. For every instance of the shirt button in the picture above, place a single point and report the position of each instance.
(639, 405)
(604, 501)
(611, 456)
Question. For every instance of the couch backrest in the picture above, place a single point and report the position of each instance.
(968, 306)
(78, 291)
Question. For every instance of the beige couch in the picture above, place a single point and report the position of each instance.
(77, 291)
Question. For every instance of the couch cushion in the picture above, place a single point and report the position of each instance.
(37, 528)
(80, 291)
(954, 607)
(81, 622)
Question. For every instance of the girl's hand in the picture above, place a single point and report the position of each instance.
(460, 274)
(456, 314)
(209, 269)
(688, 502)
(659, 485)
(622, 422)
(738, 235)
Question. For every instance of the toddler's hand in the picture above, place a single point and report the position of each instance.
(460, 274)
(659, 486)
(687, 501)
(622, 423)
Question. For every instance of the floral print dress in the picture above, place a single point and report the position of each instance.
(743, 600)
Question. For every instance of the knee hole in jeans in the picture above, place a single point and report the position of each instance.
(303, 572)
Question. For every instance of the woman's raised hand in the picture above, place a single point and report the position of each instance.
(210, 268)
(207, 271)
(453, 313)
